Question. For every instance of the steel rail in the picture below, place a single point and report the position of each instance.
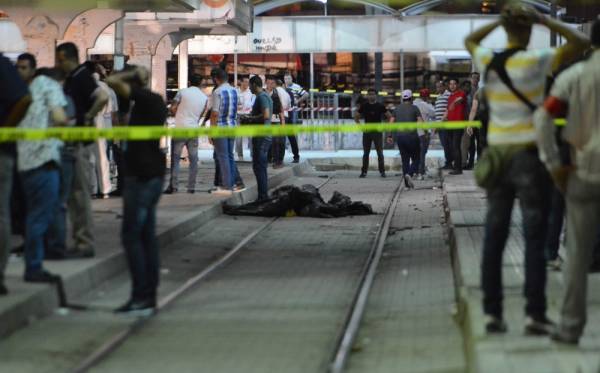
(359, 302)
(119, 338)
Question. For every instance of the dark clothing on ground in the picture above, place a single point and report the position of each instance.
(525, 178)
(144, 159)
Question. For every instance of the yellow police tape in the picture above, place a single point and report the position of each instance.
(156, 132)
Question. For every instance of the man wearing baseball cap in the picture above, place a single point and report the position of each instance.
(408, 141)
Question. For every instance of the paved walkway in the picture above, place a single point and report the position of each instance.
(512, 352)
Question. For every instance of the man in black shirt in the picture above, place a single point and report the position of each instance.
(75, 188)
(14, 102)
(145, 167)
(372, 112)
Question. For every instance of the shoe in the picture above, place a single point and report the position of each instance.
(213, 189)
(3, 289)
(222, 192)
(420, 177)
(556, 264)
(19, 250)
(408, 182)
(595, 267)
(54, 255)
(468, 167)
(240, 157)
(363, 175)
(296, 160)
(79, 253)
(239, 188)
(383, 175)
(41, 276)
(455, 172)
(539, 326)
(278, 166)
(556, 336)
(137, 308)
(191, 191)
(170, 190)
(447, 167)
(495, 325)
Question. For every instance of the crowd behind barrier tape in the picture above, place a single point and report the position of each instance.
(260, 130)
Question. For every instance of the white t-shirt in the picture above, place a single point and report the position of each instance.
(191, 104)
(511, 121)
(286, 103)
(246, 101)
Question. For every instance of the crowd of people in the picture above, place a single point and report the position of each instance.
(519, 156)
(44, 182)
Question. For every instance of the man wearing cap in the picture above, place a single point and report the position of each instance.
(428, 114)
(408, 141)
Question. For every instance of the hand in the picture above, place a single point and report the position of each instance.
(560, 176)
(390, 140)
(452, 105)
(88, 119)
(470, 131)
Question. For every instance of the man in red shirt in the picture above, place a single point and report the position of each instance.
(456, 112)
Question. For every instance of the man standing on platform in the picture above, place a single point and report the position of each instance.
(373, 112)
(261, 113)
(188, 106)
(144, 173)
(457, 104)
(300, 98)
(576, 91)
(14, 102)
(246, 101)
(441, 105)
(515, 82)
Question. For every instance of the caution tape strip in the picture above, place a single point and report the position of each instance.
(156, 132)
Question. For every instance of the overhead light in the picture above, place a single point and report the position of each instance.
(322, 1)
(12, 40)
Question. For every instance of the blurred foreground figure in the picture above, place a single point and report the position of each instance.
(576, 92)
(14, 102)
(510, 167)
(144, 173)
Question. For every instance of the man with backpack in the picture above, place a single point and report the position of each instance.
(514, 85)
(576, 92)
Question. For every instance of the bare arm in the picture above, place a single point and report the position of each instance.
(118, 82)
(58, 116)
(474, 39)
(18, 112)
(303, 98)
(576, 44)
(100, 100)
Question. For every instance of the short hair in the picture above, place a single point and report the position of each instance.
(256, 80)
(475, 73)
(69, 50)
(218, 73)
(29, 58)
(371, 90)
(195, 80)
(279, 82)
(451, 79)
(595, 37)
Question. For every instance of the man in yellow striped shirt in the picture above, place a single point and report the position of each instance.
(514, 87)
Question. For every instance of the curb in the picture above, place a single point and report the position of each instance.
(45, 300)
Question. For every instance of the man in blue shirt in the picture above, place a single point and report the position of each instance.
(224, 114)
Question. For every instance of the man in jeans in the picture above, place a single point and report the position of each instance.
(576, 91)
(14, 102)
(428, 114)
(189, 104)
(408, 141)
(512, 136)
(75, 189)
(261, 113)
(224, 114)
(38, 164)
(145, 169)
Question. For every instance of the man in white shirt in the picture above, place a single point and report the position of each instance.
(576, 91)
(428, 114)
(188, 105)
(245, 103)
(280, 114)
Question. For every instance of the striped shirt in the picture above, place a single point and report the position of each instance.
(441, 104)
(298, 92)
(225, 102)
(511, 121)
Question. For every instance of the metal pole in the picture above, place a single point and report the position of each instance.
(402, 70)
(553, 14)
(312, 84)
(183, 64)
(235, 67)
(119, 58)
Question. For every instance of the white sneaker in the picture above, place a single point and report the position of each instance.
(222, 192)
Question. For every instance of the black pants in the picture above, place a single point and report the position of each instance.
(294, 145)
(278, 149)
(377, 139)
(456, 141)
(555, 224)
(446, 140)
(410, 152)
(525, 178)
(118, 157)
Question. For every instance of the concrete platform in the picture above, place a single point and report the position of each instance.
(177, 216)
(512, 352)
